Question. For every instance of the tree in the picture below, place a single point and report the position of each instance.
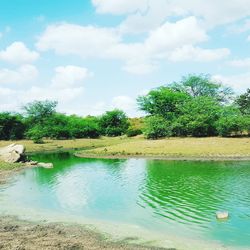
(198, 117)
(114, 123)
(163, 101)
(203, 85)
(232, 122)
(12, 126)
(243, 101)
(157, 127)
(38, 114)
(84, 127)
(38, 111)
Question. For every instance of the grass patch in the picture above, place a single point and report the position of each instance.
(177, 147)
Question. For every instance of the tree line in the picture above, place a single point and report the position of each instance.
(196, 106)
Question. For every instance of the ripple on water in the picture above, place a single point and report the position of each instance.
(150, 193)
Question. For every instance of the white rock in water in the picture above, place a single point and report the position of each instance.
(12, 153)
(222, 215)
(45, 165)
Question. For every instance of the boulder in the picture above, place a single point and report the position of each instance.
(12, 153)
(45, 165)
(222, 215)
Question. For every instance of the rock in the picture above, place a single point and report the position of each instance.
(12, 153)
(45, 165)
(31, 163)
(222, 215)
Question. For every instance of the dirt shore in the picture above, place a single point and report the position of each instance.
(167, 158)
(23, 235)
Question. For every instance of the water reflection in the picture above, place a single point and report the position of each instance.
(151, 193)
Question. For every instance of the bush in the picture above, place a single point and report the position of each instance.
(114, 123)
(231, 125)
(84, 127)
(198, 118)
(157, 127)
(12, 126)
(133, 132)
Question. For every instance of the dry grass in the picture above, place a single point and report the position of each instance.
(179, 147)
(52, 145)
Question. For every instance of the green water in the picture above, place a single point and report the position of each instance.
(178, 196)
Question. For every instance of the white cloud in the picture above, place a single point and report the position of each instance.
(23, 74)
(84, 41)
(241, 63)
(125, 103)
(119, 6)
(18, 53)
(239, 82)
(69, 76)
(190, 53)
(147, 14)
(65, 86)
(138, 58)
(173, 35)
(51, 93)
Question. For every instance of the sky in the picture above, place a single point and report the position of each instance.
(97, 55)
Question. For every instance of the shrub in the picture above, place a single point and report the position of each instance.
(157, 127)
(231, 125)
(114, 123)
(12, 126)
(133, 132)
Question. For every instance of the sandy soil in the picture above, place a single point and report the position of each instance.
(20, 235)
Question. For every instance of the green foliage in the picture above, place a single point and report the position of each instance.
(163, 101)
(61, 126)
(198, 118)
(243, 101)
(12, 126)
(203, 85)
(38, 111)
(84, 127)
(133, 132)
(114, 123)
(231, 125)
(157, 127)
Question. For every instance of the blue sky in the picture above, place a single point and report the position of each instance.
(97, 55)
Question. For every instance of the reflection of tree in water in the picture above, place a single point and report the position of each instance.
(190, 192)
(65, 162)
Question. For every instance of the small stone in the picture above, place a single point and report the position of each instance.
(32, 163)
(45, 165)
(222, 215)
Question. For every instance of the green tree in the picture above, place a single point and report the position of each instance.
(12, 126)
(198, 117)
(243, 101)
(38, 116)
(203, 85)
(38, 111)
(163, 101)
(84, 127)
(114, 123)
(157, 127)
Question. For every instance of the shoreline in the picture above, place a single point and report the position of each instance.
(60, 235)
(166, 158)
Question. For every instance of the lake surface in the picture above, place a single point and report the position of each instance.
(164, 196)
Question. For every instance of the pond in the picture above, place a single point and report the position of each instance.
(164, 196)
